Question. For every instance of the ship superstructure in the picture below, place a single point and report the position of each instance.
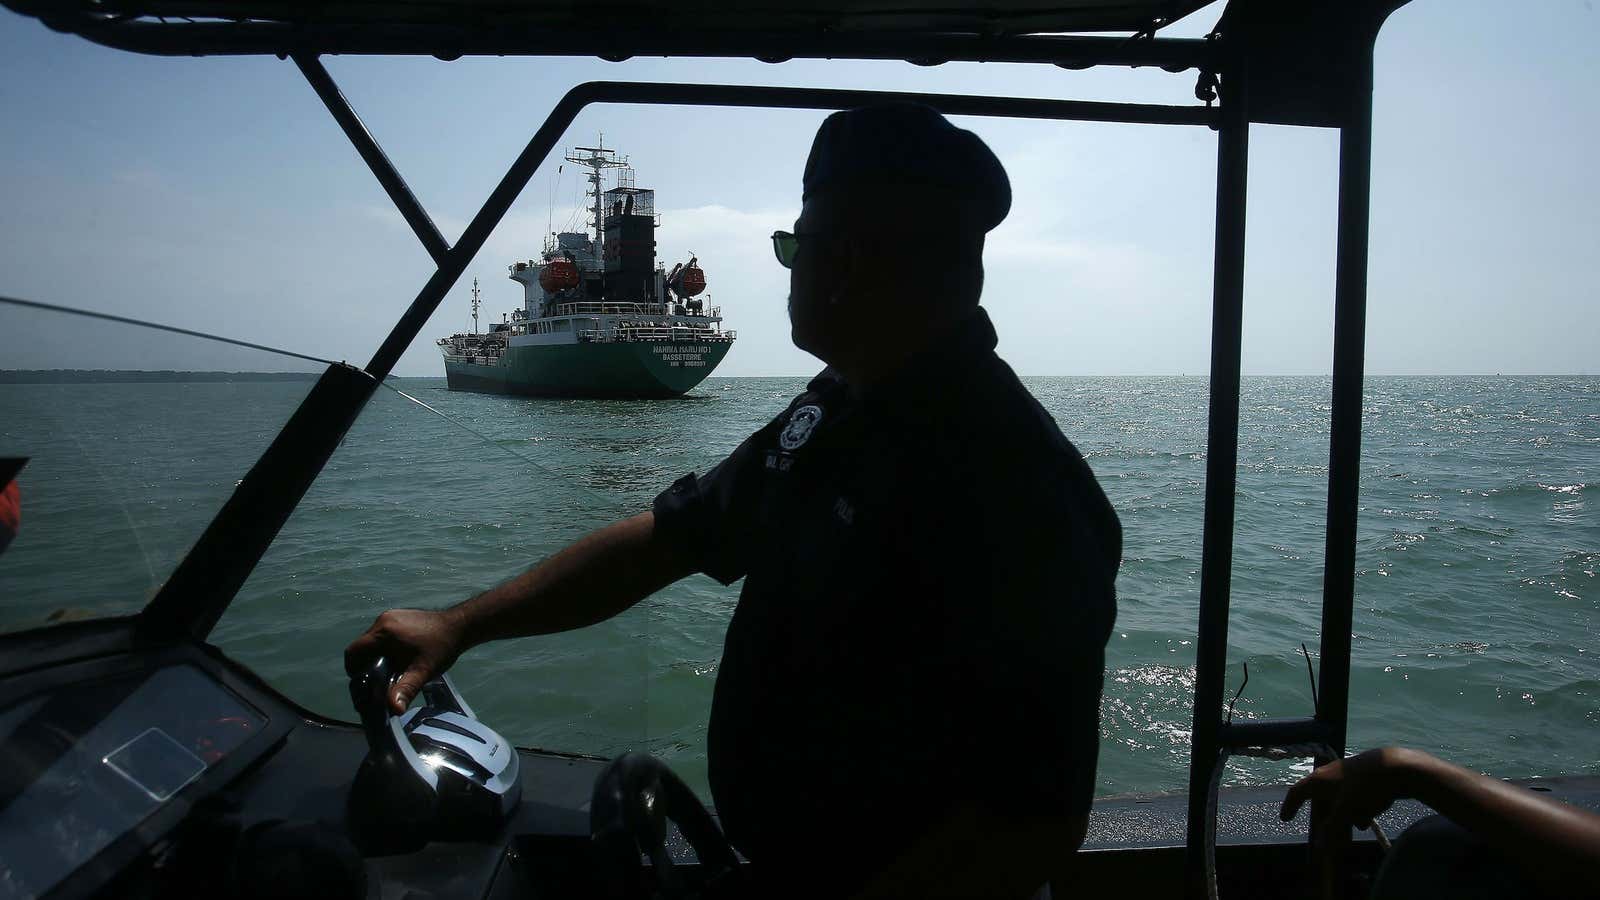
(600, 316)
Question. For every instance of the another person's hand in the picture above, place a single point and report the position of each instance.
(1357, 788)
(419, 643)
(1555, 844)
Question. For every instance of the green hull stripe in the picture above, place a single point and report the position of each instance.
(637, 369)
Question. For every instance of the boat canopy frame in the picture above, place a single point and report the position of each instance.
(1303, 63)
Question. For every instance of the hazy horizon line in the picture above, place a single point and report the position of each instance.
(270, 374)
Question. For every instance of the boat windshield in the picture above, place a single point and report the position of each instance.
(1478, 533)
(130, 440)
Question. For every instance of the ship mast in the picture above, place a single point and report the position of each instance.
(597, 159)
(474, 306)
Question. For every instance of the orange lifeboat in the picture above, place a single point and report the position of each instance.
(560, 275)
(691, 281)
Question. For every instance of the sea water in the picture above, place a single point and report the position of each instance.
(1477, 597)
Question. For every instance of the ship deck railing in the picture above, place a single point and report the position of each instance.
(474, 358)
(591, 308)
(584, 264)
(631, 335)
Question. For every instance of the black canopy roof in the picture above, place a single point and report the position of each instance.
(861, 16)
(918, 30)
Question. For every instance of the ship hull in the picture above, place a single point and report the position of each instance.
(639, 369)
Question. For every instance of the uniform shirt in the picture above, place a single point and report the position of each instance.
(929, 570)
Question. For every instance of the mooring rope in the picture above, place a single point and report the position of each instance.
(158, 326)
(267, 348)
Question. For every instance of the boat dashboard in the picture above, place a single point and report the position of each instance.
(175, 772)
(172, 771)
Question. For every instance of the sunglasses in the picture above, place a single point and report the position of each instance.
(785, 244)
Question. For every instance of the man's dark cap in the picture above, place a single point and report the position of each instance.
(910, 145)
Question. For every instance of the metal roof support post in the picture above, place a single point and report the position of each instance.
(376, 159)
(1222, 452)
(1344, 452)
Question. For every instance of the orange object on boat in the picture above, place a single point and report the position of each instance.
(10, 512)
(558, 275)
(692, 281)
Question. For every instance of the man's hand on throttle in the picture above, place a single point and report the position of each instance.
(1356, 788)
(420, 643)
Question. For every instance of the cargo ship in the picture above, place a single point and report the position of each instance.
(600, 317)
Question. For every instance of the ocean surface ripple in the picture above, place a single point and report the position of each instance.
(1476, 590)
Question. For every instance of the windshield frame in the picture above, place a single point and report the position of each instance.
(199, 590)
(1315, 70)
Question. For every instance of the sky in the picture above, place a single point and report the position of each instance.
(217, 194)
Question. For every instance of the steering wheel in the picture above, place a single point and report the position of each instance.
(634, 798)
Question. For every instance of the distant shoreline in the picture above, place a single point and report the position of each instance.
(136, 376)
(142, 376)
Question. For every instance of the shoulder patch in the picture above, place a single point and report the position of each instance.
(801, 424)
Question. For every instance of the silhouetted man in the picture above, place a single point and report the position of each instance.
(909, 691)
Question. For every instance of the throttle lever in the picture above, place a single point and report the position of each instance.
(433, 770)
(395, 791)
(441, 692)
